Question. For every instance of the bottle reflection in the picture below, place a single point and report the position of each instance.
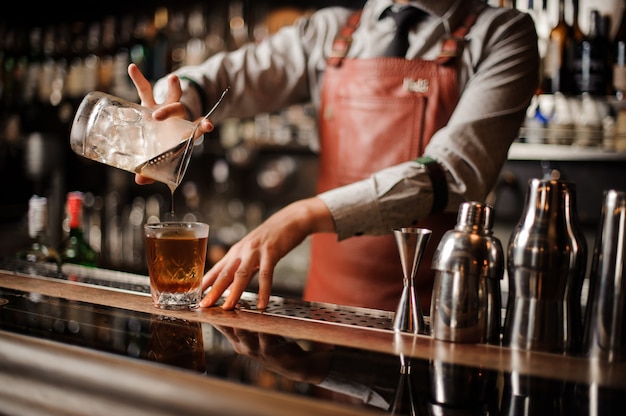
(527, 395)
(594, 399)
(524, 395)
(176, 342)
(456, 389)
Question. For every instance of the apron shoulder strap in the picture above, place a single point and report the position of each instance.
(453, 44)
(450, 49)
(342, 41)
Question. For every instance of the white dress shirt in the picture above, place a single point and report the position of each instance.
(498, 75)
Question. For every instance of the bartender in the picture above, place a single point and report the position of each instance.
(418, 103)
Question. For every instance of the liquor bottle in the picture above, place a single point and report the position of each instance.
(197, 48)
(76, 249)
(577, 37)
(38, 249)
(106, 51)
(33, 66)
(590, 61)
(121, 85)
(178, 36)
(238, 26)
(604, 34)
(161, 44)
(576, 30)
(140, 45)
(556, 65)
(619, 57)
(619, 75)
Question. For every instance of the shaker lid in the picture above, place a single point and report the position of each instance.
(471, 248)
(474, 216)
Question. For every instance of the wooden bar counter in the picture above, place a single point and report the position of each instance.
(90, 342)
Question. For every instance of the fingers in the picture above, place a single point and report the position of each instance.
(217, 279)
(144, 88)
(206, 126)
(266, 274)
(232, 278)
(143, 180)
(259, 251)
(175, 109)
(174, 90)
(235, 276)
(240, 281)
(171, 106)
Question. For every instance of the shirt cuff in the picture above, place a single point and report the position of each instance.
(398, 196)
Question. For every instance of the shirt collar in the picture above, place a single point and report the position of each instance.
(437, 8)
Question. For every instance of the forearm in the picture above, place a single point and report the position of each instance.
(264, 77)
(390, 198)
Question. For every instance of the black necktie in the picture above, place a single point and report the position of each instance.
(405, 18)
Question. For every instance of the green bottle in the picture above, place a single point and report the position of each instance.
(76, 249)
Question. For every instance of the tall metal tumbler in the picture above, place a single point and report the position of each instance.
(546, 259)
(605, 328)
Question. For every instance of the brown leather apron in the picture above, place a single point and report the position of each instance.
(377, 113)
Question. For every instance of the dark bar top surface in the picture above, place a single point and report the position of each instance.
(293, 356)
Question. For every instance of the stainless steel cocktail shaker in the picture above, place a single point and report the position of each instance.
(605, 330)
(546, 260)
(469, 263)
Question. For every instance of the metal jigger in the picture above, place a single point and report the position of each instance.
(411, 243)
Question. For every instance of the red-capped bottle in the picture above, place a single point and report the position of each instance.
(76, 249)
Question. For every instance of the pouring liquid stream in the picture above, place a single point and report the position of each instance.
(170, 166)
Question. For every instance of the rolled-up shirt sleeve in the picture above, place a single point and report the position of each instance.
(381, 202)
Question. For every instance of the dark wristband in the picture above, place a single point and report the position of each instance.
(439, 183)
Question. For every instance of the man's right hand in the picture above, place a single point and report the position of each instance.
(171, 106)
